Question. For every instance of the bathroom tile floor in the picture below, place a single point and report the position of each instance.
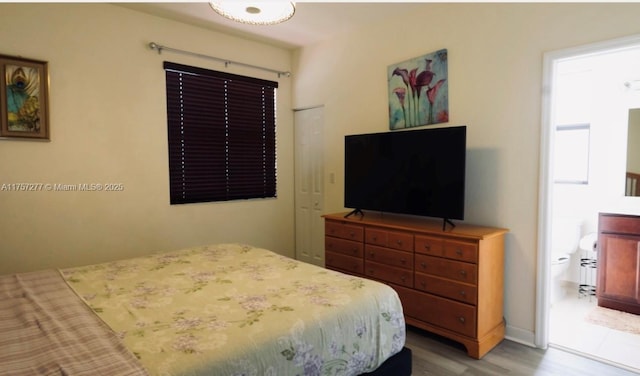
(569, 330)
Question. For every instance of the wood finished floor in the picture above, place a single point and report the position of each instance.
(434, 355)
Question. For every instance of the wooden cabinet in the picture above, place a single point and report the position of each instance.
(618, 285)
(450, 282)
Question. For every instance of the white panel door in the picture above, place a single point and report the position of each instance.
(309, 174)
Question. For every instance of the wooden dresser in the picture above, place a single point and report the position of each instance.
(618, 285)
(450, 282)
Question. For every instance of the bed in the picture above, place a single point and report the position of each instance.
(227, 309)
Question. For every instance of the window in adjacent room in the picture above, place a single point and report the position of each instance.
(572, 154)
(575, 100)
(222, 135)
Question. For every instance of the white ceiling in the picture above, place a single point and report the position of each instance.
(311, 23)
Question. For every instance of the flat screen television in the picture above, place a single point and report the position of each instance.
(415, 172)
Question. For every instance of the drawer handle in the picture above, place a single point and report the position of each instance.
(423, 264)
(372, 254)
(463, 273)
(399, 242)
(463, 293)
(403, 261)
(355, 251)
(375, 238)
(403, 278)
(423, 284)
(371, 271)
(461, 319)
(458, 251)
(352, 234)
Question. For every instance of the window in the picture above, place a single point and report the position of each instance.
(222, 136)
(572, 154)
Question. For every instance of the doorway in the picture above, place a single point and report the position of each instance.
(604, 68)
(309, 185)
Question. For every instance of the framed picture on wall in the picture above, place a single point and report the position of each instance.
(24, 94)
(419, 91)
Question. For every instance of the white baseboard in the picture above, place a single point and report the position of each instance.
(522, 336)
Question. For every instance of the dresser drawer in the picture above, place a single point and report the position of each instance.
(376, 236)
(389, 256)
(462, 292)
(461, 250)
(387, 273)
(390, 239)
(401, 241)
(346, 247)
(434, 310)
(429, 245)
(344, 230)
(345, 263)
(456, 270)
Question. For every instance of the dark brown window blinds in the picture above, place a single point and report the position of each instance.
(222, 135)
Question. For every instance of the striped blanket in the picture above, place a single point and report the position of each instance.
(47, 330)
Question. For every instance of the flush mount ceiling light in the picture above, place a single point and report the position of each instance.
(255, 12)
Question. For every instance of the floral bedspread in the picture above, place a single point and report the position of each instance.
(238, 310)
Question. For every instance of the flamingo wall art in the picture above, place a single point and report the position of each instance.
(418, 91)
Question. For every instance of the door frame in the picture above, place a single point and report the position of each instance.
(545, 199)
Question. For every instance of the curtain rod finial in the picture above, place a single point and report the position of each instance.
(155, 46)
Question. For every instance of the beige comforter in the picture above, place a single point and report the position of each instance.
(239, 310)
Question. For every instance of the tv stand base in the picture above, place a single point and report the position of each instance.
(355, 211)
(444, 223)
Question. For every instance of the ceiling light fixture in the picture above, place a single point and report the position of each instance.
(255, 12)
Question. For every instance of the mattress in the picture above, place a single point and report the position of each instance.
(234, 309)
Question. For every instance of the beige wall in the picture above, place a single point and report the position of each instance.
(108, 125)
(495, 85)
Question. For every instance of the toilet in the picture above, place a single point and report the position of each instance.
(564, 242)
